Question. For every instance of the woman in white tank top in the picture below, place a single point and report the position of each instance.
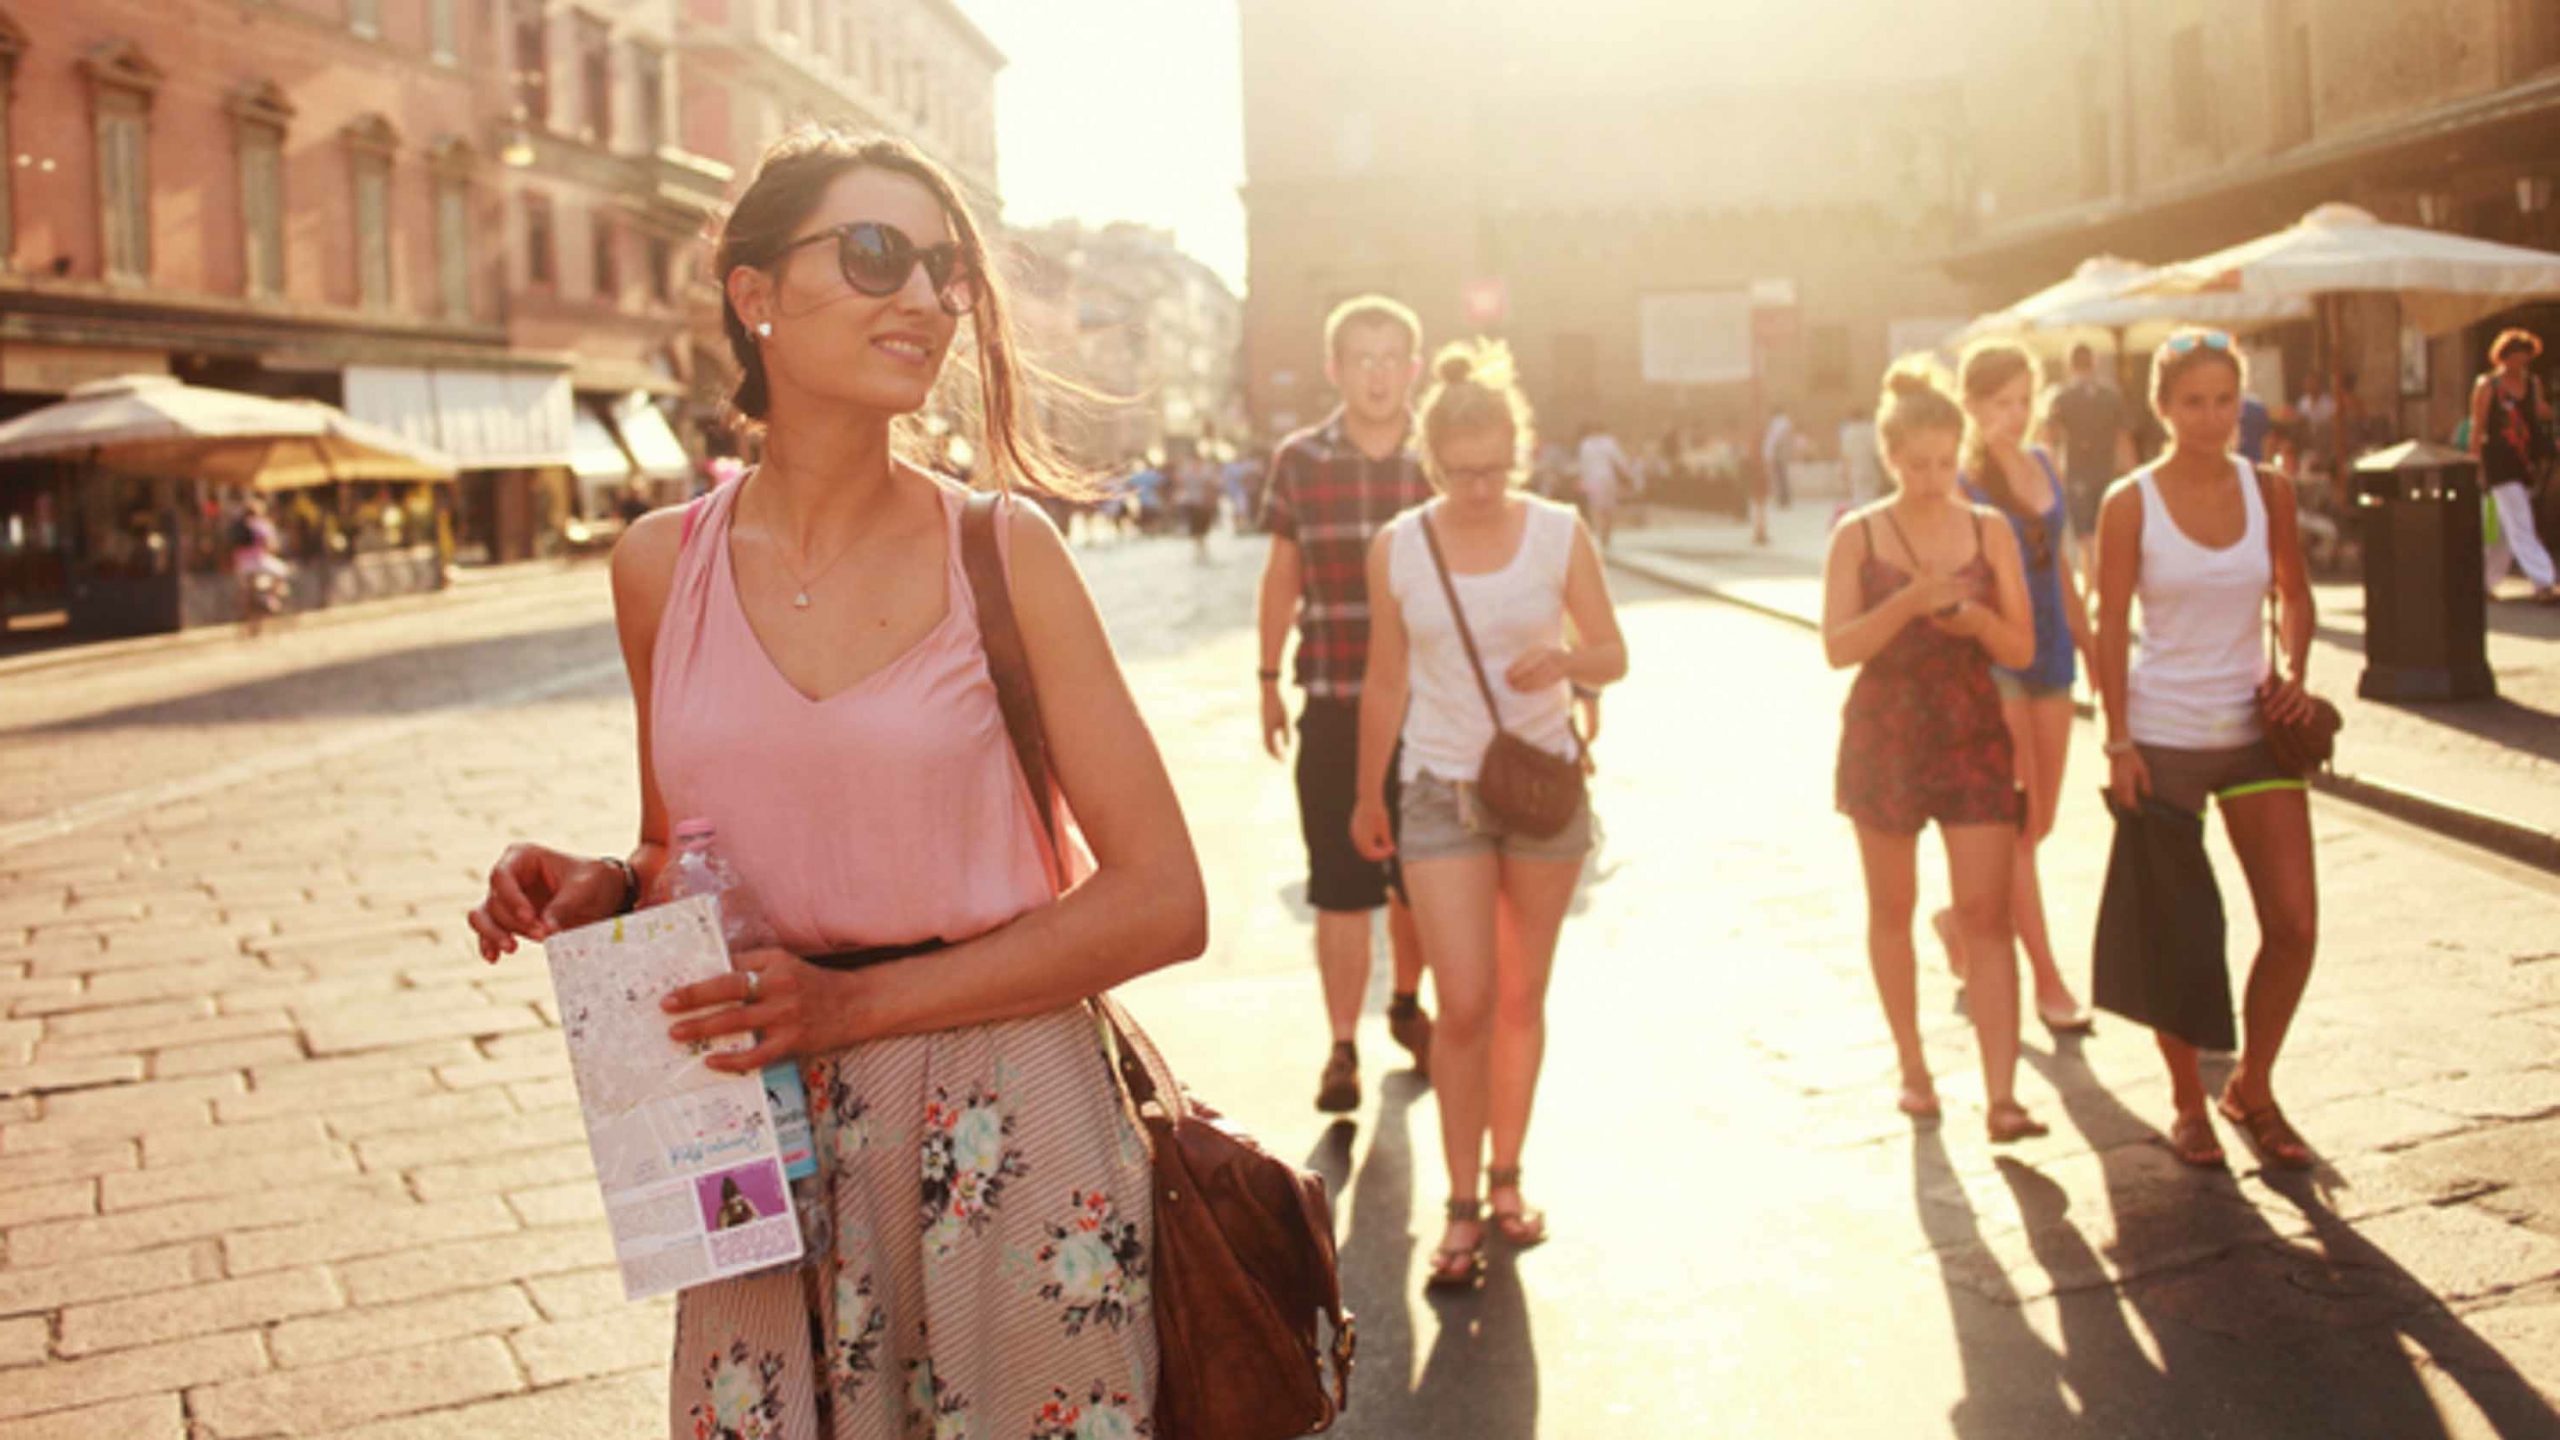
(2199, 539)
(1527, 576)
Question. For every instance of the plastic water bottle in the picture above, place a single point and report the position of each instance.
(699, 868)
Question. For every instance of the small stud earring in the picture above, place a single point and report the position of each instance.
(765, 328)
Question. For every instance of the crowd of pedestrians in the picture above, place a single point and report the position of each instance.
(1453, 630)
(1959, 599)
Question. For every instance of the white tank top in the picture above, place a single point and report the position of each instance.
(1511, 611)
(2194, 682)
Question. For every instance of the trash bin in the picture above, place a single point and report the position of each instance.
(2426, 611)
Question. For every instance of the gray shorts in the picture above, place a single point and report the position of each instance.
(2185, 778)
(1442, 820)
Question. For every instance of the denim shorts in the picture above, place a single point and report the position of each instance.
(2019, 687)
(1443, 820)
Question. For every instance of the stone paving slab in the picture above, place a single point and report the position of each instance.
(1742, 1221)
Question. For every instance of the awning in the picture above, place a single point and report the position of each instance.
(593, 454)
(650, 440)
(483, 419)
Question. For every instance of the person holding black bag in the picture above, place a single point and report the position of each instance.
(2201, 538)
(1488, 607)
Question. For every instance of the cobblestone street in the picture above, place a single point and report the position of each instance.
(280, 1156)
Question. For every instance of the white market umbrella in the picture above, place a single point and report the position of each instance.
(2443, 282)
(158, 424)
(2098, 304)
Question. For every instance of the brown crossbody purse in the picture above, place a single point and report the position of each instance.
(1245, 1268)
(2304, 745)
(1531, 791)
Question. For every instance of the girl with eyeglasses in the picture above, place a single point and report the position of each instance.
(805, 655)
(1998, 382)
(1922, 593)
(1526, 577)
(2200, 537)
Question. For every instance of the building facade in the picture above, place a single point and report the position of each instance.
(1124, 311)
(2164, 130)
(1674, 216)
(480, 222)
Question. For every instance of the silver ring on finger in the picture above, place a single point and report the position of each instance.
(755, 986)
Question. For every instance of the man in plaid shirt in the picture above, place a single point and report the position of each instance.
(1332, 488)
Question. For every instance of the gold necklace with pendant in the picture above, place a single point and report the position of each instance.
(800, 587)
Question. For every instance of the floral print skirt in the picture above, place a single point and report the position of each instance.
(984, 1273)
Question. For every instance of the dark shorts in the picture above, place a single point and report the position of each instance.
(2187, 778)
(1339, 877)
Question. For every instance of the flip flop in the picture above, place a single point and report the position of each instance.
(2009, 1122)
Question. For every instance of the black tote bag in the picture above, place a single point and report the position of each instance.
(2160, 959)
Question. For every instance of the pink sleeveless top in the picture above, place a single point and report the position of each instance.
(887, 813)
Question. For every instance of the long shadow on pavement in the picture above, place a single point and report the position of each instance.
(408, 681)
(1480, 1380)
(2254, 1335)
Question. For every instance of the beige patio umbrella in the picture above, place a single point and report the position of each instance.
(2443, 282)
(156, 424)
(2098, 304)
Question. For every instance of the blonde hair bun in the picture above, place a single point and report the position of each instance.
(1913, 376)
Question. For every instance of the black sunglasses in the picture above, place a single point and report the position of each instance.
(877, 259)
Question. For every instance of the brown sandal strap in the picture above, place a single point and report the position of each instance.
(1465, 1209)
(1502, 1177)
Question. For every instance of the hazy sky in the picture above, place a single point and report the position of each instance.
(1122, 110)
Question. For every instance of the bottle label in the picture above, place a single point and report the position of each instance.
(788, 1099)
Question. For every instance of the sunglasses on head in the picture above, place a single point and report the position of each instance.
(877, 259)
(2185, 341)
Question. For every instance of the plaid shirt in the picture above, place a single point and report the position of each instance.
(1331, 500)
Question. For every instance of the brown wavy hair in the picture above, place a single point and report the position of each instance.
(793, 174)
(1986, 367)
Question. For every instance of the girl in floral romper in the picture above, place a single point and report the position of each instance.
(804, 650)
(1922, 592)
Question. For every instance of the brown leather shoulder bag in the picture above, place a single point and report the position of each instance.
(2308, 742)
(1246, 1273)
(1530, 791)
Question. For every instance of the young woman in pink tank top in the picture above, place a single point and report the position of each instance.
(805, 656)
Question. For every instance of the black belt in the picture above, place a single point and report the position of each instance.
(862, 957)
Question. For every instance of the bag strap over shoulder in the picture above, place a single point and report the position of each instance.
(1458, 613)
(1008, 664)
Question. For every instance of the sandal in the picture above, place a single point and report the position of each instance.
(2275, 1140)
(1523, 1228)
(1459, 1267)
(2009, 1122)
(2191, 1139)
(2075, 1020)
